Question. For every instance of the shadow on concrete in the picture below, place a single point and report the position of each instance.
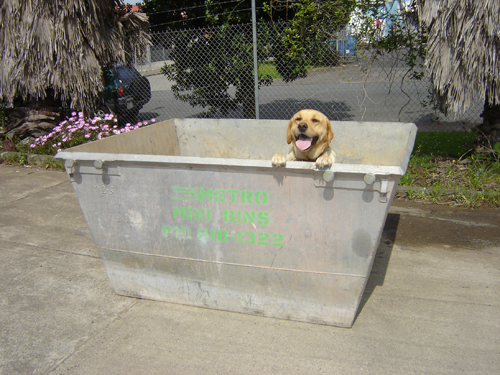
(382, 257)
(285, 109)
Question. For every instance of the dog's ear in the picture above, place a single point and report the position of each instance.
(329, 131)
(289, 132)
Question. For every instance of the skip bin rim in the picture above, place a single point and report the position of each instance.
(227, 163)
(179, 160)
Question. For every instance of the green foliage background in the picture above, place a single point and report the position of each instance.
(208, 61)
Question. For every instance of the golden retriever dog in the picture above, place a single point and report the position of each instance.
(310, 133)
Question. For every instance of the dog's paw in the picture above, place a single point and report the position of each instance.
(325, 160)
(278, 160)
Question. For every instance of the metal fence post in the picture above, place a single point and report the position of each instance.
(255, 63)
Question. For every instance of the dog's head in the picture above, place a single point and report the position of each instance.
(310, 132)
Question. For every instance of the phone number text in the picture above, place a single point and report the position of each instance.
(222, 235)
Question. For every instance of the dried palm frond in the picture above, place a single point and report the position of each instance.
(463, 51)
(134, 28)
(60, 45)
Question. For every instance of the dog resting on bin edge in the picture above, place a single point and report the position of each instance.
(310, 133)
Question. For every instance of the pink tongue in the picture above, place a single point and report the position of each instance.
(303, 143)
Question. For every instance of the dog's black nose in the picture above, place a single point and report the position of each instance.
(302, 126)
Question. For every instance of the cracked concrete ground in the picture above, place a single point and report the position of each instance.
(431, 305)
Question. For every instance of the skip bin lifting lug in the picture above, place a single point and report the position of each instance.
(98, 164)
(384, 185)
(369, 178)
(328, 176)
(70, 166)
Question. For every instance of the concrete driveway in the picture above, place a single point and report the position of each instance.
(432, 304)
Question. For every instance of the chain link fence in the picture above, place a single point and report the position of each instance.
(209, 73)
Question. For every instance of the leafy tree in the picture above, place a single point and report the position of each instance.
(207, 62)
(402, 32)
(312, 22)
(453, 40)
(391, 41)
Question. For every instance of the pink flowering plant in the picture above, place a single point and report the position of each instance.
(77, 130)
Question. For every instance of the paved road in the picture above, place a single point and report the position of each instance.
(338, 93)
(431, 304)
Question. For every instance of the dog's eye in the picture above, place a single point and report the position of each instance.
(299, 119)
(315, 120)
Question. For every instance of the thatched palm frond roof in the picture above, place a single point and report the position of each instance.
(463, 51)
(59, 45)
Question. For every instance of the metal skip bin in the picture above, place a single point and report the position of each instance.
(191, 211)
